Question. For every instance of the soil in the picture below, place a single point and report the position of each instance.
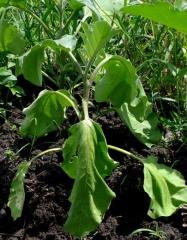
(47, 187)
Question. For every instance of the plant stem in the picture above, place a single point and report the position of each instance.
(48, 77)
(125, 152)
(45, 152)
(48, 31)
(96, 70)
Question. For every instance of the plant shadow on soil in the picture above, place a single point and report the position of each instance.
(47, 187)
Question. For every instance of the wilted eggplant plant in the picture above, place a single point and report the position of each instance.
(85, 152)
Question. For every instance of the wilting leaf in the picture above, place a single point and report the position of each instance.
(165, 186)
(46, 112)
(86, 159)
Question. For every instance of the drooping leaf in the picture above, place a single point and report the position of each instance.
(17, 193)
(10, 38)
(30, 63)
(46, 112)
(139, 118)
(95, 36)
(165, 186)
(145, 131)
(118, 85)
(161, 12)
(86, 159)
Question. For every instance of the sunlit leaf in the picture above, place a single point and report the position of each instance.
(165, 186)
(161, 12)
(17, 193)
(95, 36)
(19, 3)
(46, 112)
(86, 159)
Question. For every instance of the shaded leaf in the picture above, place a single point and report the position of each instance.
(165, 186)
(118, 83)
(46, 112)
(161, 12)
(30, 63)
(10, 38)
(86, 159)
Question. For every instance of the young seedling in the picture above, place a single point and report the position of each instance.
(85, 152)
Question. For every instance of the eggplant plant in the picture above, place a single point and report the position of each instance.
(85, 151)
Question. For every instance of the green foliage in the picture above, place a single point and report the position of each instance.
(165, 186)
(119, 77)
(10, 39)
(161, 12)
(86, 159)
(46, 112)
(30, 63)
(102, 67)
(17, 193)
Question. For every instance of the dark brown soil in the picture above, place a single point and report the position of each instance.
(47, 187)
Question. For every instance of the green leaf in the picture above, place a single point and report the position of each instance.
(30, 63)
(95, 36)
(145, 131)
(46, 112)
(161, 12)
(86, 159)
(118, 83)
(10, 39)
(17, 193)
(139, 118)
(7, 78)
(3, 3)
(165, 186)
(102, 9)
(19, 3)
(76, 4)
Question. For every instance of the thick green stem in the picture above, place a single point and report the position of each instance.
(125, 152)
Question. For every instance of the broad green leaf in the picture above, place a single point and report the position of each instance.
(46, 112)
(118, 85)
(161, 12)
(139, 118)
(145, 131)
(165, 186)
(19, 3)
(10, 39)
(17, 193)
(95, 36)
(86, 159)
(76, 4)
(67, 43)
(102, 9)
(7, 78)
(3, 3)
(30, 63)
